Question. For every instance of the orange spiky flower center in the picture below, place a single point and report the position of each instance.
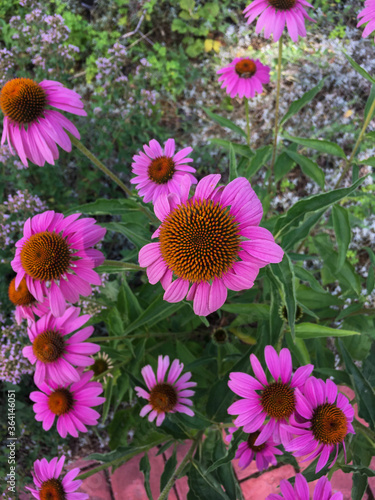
(60, 401)
(245, 68)
(329, 424)
(49, 346)
(22, 100)
(161, 169)
(45, 256)
(163, 398)
(199, 240)
(52, 489)
(283, 4)
(278, 400)
(253, 436)
(20, 296)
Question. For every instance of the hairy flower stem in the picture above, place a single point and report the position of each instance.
(164, 494)
(247, 121)
(347, 163)
(276, 132)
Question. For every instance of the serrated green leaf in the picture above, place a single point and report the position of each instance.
(300, 103)
(313, 331)
(341, 224)
(326, 147)
(309, 168)
(224, 122)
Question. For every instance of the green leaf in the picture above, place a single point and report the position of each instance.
(254, 312)
(205, 485)
(132, 231)
(230, 453)
(301, 232)
(232, 164)
(364, 392)
(114, 266)
(224, 122)
(370, 281)
(108, 396)
(313, 330)
(359, 69)
(144, 466)
(156, 311)
(187, 4)
(370, 101)
(343, 232)
(305, 275)
(261, 157)
(283, 165)
(312, 204)
(128, 304)
(225, 473)
(103, 206)
(284, 274)
(239, 149)
(357, 468)
(300, 103)
(169, 468)
(309, 167)
(369, 161)
(326, 147)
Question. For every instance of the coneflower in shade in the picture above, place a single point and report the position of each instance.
(244, 77)
(275, 14)
(273, 401)
(324, 420)
(264, 454)
(71, 404)
(30, 127)
(26, 304)
(56, 258)
(54, 352)
(300, 491)
(167, 395)
(49, 485)
(159, 171)
(102, 363)
(210, 242)
(368, 16)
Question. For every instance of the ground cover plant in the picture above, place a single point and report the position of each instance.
(187, 232)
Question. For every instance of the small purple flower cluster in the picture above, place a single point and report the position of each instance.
(6, 65)
(13, 364)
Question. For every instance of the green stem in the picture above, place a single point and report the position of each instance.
(347, 163)
(276, 133)
(247, 121)
(99, 164)
(188, 456)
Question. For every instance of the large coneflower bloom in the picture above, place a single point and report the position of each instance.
(166, 396)
(56, 257)
(30, 127)
(26, 304)
(244, 77)
(71, 404)
(49, 485)
(264, 453)
(210, 242)
(272, 401)
(54, 353)
(160, 171)
(323, 490)
(275, 14)
(368, 16)
(324, 419)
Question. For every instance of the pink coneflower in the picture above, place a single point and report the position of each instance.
(56, 257)
(368, 16)
(72, 405)
(244, 77)
(166, 396)
(264, 453)
(323, 421)
(323, 490)
(275, 14)
(275, 401)
(50, 486)
(54, 353)
(160, 171)
(209, 243)
(26, 304)
(30, 127)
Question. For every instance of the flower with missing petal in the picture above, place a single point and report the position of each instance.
(209, 243)
(166, 396)
(56, 258)
(102, 363)
(323, 420)
(49, 485)
(275, 14)
(323, 490)
(244, 77)
(272, 401)
(26, 304)
(159, 171)
(71, 404)
(30, 126)
(54, 351)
